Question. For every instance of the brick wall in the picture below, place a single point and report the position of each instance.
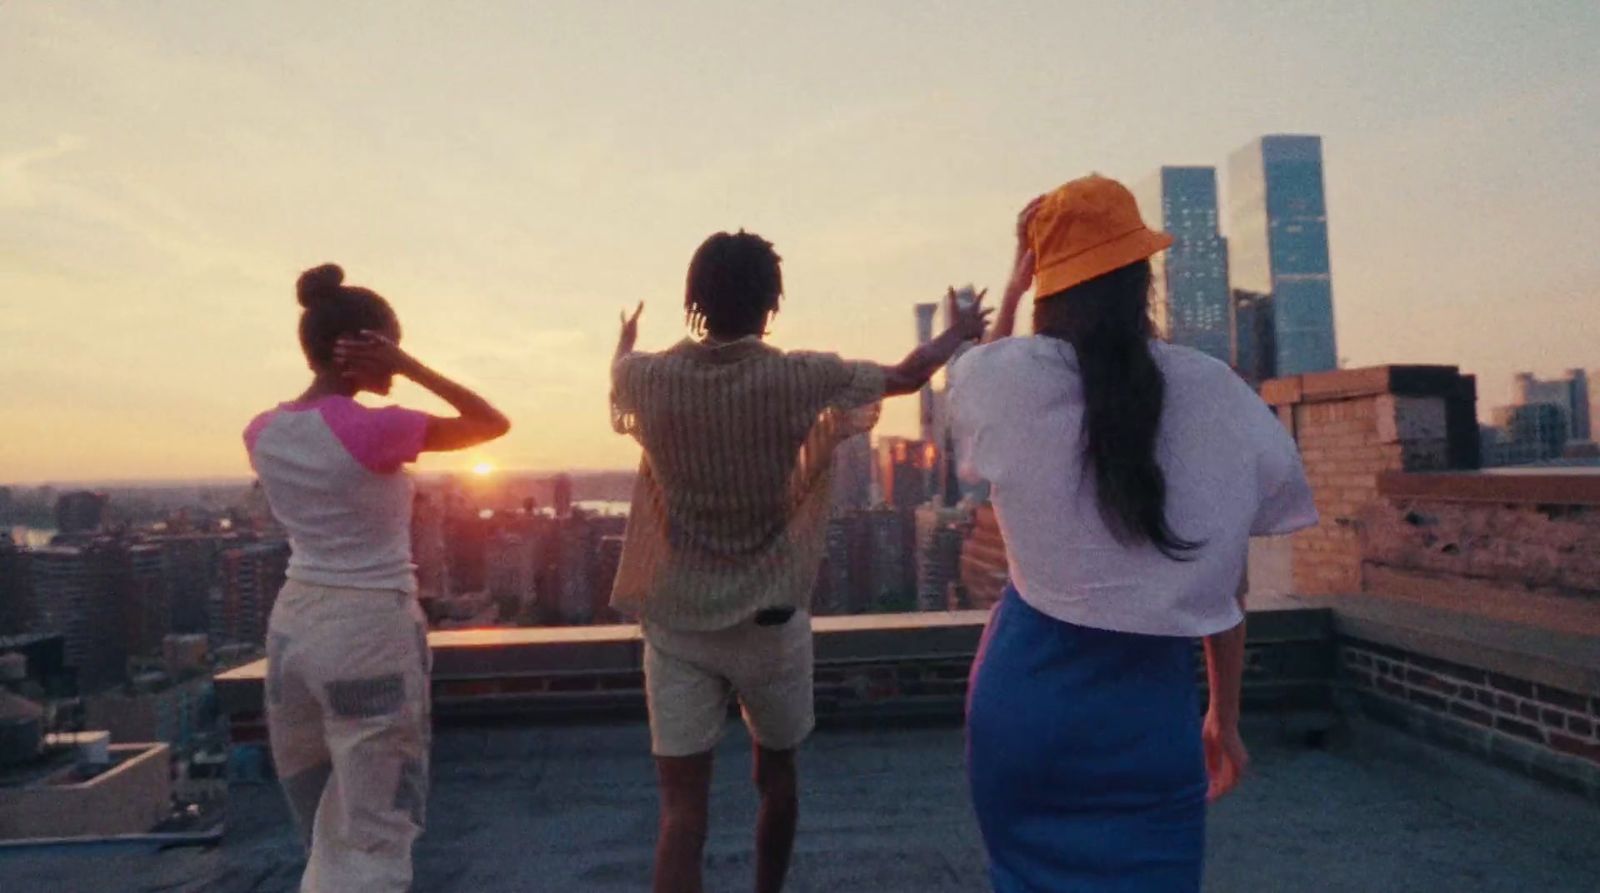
(1545, 731)
(1540, 547)
(1353, 426)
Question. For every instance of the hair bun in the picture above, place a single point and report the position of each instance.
(319, 284)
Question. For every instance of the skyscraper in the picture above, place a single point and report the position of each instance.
(1190, 297)
(852, 473)
(1278, 245)
(927, 416)
(1570, 392)
(908, 471)
(16, 587)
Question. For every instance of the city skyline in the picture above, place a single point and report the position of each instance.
(168, 174)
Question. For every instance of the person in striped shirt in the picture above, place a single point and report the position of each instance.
(726, 531)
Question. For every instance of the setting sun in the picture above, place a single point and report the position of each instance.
(483, 469)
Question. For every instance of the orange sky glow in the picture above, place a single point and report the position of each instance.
(512, 175)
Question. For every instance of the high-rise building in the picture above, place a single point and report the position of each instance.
(144, 587)
(939, 535)
(1570, 392)
(80, 512)
(466, 537)
(575, 562)
(511, 566)
(428, 550)
(16, 587)
(562, 500)
(250, 579)
(888, 542)
(908, 471)
(1255, 343)
(1190, 300)
(852, 473)
(925, 397)
(836, 575)
(1277, 239)
(192, 562)
(76, 594)
(1527, 433)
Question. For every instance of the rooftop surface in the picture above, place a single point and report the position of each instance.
(532, 807)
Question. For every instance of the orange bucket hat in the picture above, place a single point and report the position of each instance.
(1087, 228)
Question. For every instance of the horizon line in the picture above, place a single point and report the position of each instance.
(230, 480)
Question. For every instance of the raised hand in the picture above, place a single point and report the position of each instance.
(1022, 262)
(629, 335)
(1021, 279)
(969, 320)
(372, 354)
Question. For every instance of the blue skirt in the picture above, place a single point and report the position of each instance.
(1084, 757)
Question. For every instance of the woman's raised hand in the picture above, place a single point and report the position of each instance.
(373, 354)
(1022, 261)
(969, 320)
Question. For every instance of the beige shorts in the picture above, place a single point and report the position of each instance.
(690, 677)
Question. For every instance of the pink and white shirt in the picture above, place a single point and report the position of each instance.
(333, 472)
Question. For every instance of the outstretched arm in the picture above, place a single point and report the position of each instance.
(1021, 280)
(477, 422)
(911, 373)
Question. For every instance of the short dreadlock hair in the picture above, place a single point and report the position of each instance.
(734, 286)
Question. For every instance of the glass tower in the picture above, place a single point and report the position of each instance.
(1278, 245)
(1190, 296)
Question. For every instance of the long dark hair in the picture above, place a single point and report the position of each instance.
(1107, 322)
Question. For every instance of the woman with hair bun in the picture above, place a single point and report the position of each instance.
(347, 648)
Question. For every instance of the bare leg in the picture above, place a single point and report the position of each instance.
(685, 810)
(780, 813)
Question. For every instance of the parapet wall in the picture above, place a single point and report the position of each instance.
(1466, 603)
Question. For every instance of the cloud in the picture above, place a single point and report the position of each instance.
(19, 182)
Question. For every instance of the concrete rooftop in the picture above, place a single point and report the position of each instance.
(532, 807)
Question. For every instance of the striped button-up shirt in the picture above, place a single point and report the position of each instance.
(731, 504)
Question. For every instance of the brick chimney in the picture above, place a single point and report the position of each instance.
(1354, 425)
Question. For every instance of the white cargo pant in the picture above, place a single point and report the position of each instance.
(348, 717)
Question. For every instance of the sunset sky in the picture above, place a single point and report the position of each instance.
(510, 175)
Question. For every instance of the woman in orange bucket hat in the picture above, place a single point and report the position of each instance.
(1127, 475)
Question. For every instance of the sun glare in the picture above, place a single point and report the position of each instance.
(483, 469)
